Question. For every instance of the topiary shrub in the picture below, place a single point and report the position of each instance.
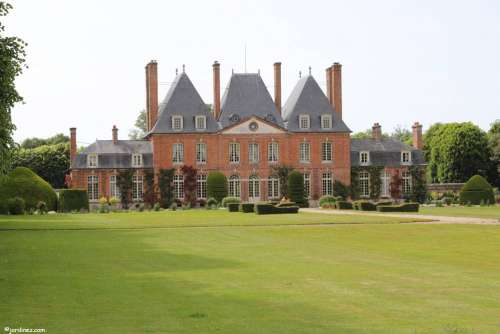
(233, 207)
(216, 186)
(296, 188)
(246, 207)
(405, 207)
(327, 202)
(73, 199)
(475, 190)
(41, 207)
(343, 205)
(266, 209)
(211, 203)
(24, 183)
(340, 190)
(230, 200)
(364, 205)
(16, 205)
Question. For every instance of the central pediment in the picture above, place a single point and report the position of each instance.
(253, 125)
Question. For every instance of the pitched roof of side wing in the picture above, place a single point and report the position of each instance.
(384, 152)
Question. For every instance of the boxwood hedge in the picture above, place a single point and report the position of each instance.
(247, 207)
(266, 208)
(405, 207)
(233, 207)
(73, 200)
(343, 205)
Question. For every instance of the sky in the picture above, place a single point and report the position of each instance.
(403, 61)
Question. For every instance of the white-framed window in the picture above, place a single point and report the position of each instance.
(406, 157)
(273, 187)
(136, 160)
(254, 187)
(406, 182)
(93, 187)
(326, 151)
(305, 152)
(326, 121)
(253, 153)
(177, 153)
(327, 183)
(201, 186)
(177, 122)
(234, 186)
(307, 185)
(178, 186)
(364, 158)
(137, 187)
(92, 160)
(273, 152)
(201, 153)
(385, 183)
(234, 153)
(200, 122)
(114, 190)
(304, 122)
(364, 184)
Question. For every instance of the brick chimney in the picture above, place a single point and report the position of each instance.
(377, 131)
(115, 134)
(417, 136)
(216, 69)
(72, 145)
(151, 93)
(337, 88)
(277, 86)
(329, 84)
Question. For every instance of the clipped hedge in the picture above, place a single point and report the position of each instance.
(216, 186)
(246, 207)
(229, 199)
(16, 206)
(477, 190)
(364, 205)
(405, 207)
(73, 200)
(343, 205)
(379, 203)
(266, 209)
(233, 207)
(285, 204)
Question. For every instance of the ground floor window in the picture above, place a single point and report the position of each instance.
(114, 190)
(234, 186)
(406, 182)
(327, 183)
(137, 188)
(178, 186)
(273, 187)
(364, 184)
(93, 187)
(201, 186)
(254, 187)
(307, 185)
(385, 181)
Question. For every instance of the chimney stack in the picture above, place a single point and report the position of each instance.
(329, 84)
(376, 131)
(417, 136)
(151, 93)
(216, 70)
(337, 88)
(72, 145)
(277, 86)
(115, 134)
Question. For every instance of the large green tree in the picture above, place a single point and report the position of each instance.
(35, 142)
(12, 62)
(140, 126)
(494, 146)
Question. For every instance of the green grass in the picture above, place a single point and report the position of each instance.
(340, 278)
(463, 211)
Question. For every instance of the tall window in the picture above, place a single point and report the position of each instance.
(136, 160)
(201, 186)
(273, 152)
(177, 122)
(234, 152)
(178, 153)
(201, 153)
(304, 121)
(234, 186)
(364, 158)
(273, 187)
(307, 185)
(254, 187)
(114, 190)
(253, 153)
(364, 183)
(326, 121)
(305, 152)
(326, 151)
(92, 160)
(385, 181)
(327, 183)
(93, 187)
(200, 122)
(178, 186)
(406, 182)
(405, 157)
(137, 187)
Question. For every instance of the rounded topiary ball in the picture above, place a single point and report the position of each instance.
(477, 190)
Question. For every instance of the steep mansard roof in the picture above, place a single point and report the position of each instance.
(183, 99)
(308, 98)
(246, 95)
(384, 152)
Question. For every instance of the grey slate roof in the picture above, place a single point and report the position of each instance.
(385, 152)
(308, 98)
(246, 95)
(183, 99)
(117, 155)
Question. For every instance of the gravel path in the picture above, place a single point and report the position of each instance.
(435, 219)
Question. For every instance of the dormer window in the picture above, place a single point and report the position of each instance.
(200, 122)
(405, 157)
(136, 160)
(92, 160)
(304, 122)
(177, 123)
(326, 121)
(364, 158)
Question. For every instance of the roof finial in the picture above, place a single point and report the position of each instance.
(300, 74)
(309, 70)
(183, 68)
(176, 71)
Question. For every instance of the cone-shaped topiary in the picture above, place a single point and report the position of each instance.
(296, 188)
(24, 183)
(477, 190)
(216, 186)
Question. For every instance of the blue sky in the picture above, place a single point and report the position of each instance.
(403, 61)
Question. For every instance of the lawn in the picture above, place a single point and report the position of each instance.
(492, 211)
(116, 273)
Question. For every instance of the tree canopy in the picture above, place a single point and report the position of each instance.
(35, 142)
(141, 126)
